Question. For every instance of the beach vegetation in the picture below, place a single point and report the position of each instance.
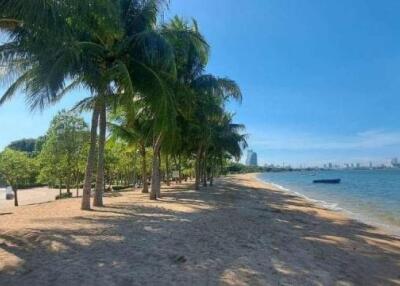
(17, 169)
(148, 85)
(63, 156)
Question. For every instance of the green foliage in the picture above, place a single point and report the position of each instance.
(121, 188)
(30, 146)
(64, 196)
(150, 76)
(16, 168)
(23, 145)
(238, 168)
(64, 152)
(122, 164)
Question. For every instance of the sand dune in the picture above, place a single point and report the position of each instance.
(240, 232)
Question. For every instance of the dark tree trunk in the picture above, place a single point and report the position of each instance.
(212, 175)
(204, 168)
(87, 186)
(144, 169)
(98, 197)
(179, 169)
(68, 186)
(15, 191)
(155, 178)
(167, 169)
(198, 170)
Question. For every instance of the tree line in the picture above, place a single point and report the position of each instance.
(152, 103)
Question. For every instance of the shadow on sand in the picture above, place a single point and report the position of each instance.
(233, 235)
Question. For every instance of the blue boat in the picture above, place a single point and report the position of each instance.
(327, 181)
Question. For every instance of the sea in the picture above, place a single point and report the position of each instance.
(371, 196)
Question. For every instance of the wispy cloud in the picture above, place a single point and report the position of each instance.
(370, 139)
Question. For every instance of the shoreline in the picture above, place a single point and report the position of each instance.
(240, 232)
(390, 229)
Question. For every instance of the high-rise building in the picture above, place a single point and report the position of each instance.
(395, 162)
(251, 159)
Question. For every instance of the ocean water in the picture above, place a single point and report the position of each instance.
(372, 196)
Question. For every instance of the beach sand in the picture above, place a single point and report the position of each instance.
(240, 232)
(33, 196)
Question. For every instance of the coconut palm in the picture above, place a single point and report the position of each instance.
(132, 123)
(226, 140)
(94, 47)
(117, 51)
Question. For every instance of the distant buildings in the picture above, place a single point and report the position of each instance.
(251, 159)
(394, 163)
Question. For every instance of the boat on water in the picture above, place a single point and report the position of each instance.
(327, 181)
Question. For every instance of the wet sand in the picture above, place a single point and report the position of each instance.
(240, 232)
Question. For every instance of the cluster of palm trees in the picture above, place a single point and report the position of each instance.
(147, 77)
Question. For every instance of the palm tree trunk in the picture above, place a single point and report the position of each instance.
(144, 169)
(98, 197)
(87, 185)
(158, 190)
(155, 178)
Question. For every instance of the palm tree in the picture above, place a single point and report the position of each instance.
(211, 94)
(131, 123)
(88, 48)
(226, 140)
(117, 51)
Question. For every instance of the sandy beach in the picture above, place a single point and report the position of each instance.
(33, 196)
(239, 232)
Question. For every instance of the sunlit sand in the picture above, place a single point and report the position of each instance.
(240, 232)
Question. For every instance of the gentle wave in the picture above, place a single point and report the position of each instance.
(322, 203)
(363, 216)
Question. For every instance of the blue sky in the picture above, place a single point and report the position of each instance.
(321, 79)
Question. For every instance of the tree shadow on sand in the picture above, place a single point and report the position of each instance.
(226, 235)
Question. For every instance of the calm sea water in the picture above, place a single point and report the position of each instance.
(372, 196)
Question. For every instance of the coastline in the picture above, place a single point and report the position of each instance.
(383, 227)
(239, 232)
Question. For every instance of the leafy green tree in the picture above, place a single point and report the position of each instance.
(121, 164)
(16, 169)
(63, 153)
